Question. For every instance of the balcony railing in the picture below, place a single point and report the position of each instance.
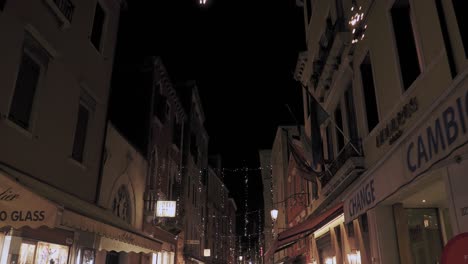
(66, 7)
(350, 150)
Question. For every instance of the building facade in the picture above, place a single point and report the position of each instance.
(167, 120)
(267, 182)
(122, 193)
(290, 199)
(391, 76)
(195, 170)
(56, 68)
(219, 238)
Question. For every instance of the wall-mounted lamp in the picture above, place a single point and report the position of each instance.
(354, 257)
(294, 199)
(274, 214)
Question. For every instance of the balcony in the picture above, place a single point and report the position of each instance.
(329, 56)
(63, 10)
(348, 165)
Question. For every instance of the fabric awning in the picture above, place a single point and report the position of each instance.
(19, 206)
(291, 235)
(112, 238)
(311, 224)
(22, 193)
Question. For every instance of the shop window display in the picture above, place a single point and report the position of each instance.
(27, 251)
(85, 256)
(36, 252)
(425, 235)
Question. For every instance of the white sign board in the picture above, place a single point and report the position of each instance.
(20, 206)
(165, 208)
(206, 252)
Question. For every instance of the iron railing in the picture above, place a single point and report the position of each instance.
(350, 150)
(66, 7)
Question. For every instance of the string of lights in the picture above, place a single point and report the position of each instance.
(246, 206)
(222, 170)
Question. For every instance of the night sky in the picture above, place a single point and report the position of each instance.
(242, 55)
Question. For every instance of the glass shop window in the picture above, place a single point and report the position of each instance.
(425, 235)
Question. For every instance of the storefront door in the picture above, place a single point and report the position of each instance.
(425, 235)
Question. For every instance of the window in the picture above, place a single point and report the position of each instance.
(98, 26)
(308, 4)
(23, 98)
(177, 133)
(86, 107)
(194, 148)
(406, 43)
(161, 106)
(339, 126)
(80, 133)
(349, 104)
(369, 93)
(329, 143)
(121, 204)
(460, 7)
(33, 63)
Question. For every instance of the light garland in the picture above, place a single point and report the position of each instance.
(355, 23)
(246, 206)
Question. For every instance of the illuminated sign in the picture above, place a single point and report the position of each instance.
(206, 252)
(165, 208)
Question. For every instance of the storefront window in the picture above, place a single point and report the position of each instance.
(325, 249)
(85, 256)
(425, 235)
(27, 251)
(51, 253)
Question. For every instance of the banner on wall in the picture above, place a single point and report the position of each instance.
(20, 206)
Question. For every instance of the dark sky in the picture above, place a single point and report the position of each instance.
(242, 55)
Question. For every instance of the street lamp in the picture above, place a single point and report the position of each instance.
(294, 199)
(274, 214)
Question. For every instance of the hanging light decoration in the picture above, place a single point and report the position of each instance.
(358, 28)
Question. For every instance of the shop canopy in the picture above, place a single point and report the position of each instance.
(311, 224)
(24, 201)
(293, 234)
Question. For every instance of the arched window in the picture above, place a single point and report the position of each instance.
(121, 204)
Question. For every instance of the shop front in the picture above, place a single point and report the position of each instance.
(302, 243)
(42, 225)
(416, 198)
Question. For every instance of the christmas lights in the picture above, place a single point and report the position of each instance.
(356, 23)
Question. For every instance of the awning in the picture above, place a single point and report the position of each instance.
(25, 194)
(311, 224)
(112, 238)
(19, 206)
(280, 245)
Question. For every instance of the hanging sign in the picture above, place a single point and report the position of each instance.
(165, 208)
(21, 207)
